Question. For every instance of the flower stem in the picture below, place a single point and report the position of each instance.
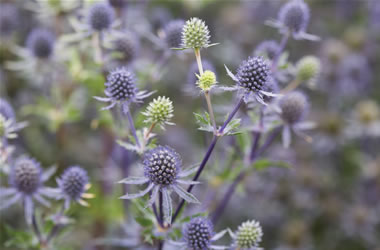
(197, 52)
(36, 229)
(98, 48)
(132, 125)
(210, 110)
(294, 84)
(149, 131)
(284, 41)
(207, 155)
(258, 151)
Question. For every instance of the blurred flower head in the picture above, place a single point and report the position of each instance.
(173, 33)
(40, 43)
(100, 16)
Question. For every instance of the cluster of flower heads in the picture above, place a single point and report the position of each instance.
(199, 234)
(27, 184)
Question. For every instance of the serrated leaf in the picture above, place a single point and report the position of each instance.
(204, 122)
(232, 126)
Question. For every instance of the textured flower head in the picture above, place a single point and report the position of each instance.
(173, 33)
(40, 43)
(163, 173)
(253, 74)
(73, 185)
(198, 233)
(159, 111)
(161, 165)
(295, 16)
(74, 181)
(120, 85)
(128, 47)
(268, 49)
(207, 80)
(293, 107)
(26, 175)
(308, 68)
(26, 181)
(100, 16)
(195, 34)
(8, 19)
(248, 235)
(192, 74)
(121, 89)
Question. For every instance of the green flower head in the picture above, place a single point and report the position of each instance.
(308, 68)
(206, 80)
(249, 234)
(195, 34)
(159, 111)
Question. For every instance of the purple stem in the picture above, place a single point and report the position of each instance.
(207, 156)
(36, 228)
(222, 205)
(283, 43)
(132, 126)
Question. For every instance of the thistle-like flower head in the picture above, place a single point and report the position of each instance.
(207, 80)
(74, 181)
(40, 43)
(26, 181)
(367, 111)
(193, 71)
(100, 16)
(293, 107)
(252, 74)
(120, 85)
(8, 19)
(198, 233)
(269, 49)
(128, 47)
(195, 34)
(159, 111)
(26, 175)
(121, 89)
(308, 68)
(295, 16)
(161, 165)
(73, 185)
(163, 173)
(248, 235)
(173, 33)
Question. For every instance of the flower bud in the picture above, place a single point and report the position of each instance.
(195, 34)
(367, 111)
(206, 80)
(308, 68)
(249, 234)
(159, 111)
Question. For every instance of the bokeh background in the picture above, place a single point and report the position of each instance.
(328, 199)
